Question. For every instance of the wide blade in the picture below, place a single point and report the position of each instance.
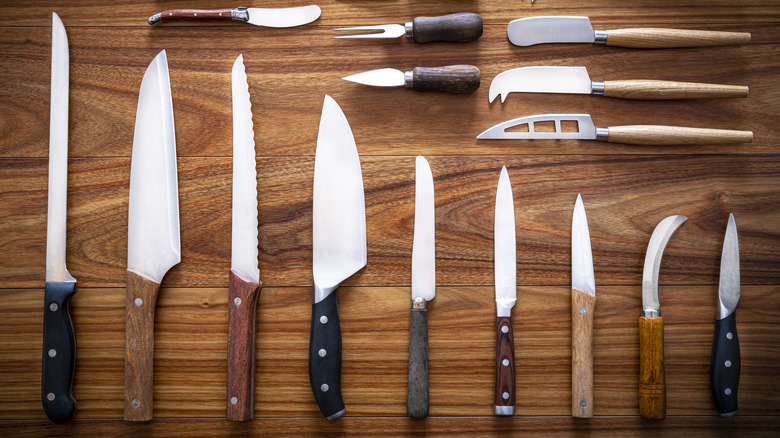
(339, 228)
(655, 251)
(424, 245)
(244, 251)
(538, 30)
(586, 130)
(383, 77)
(58, 155)
(283, 17)
(504, 247)
(582, 276)
(728, 289)
(153, 244)
(572, 80)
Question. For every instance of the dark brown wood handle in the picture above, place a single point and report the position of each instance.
(142, 292)
(243, 293)
(675, 135)
(582, 306)
(464, 26)
(451, 78)
(645, 38)
(191, 14)
(652, 378)
(662, 90)
(504, 401)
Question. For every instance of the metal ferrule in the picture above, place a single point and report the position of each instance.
(409, 26)
(597, 87)
(156, 18)
(504, 410)
(239, 14)
(408, 79)
(419, 303)
(652, 313)
(602, 134)
(600, 36)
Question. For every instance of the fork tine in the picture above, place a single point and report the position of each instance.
(387, 31)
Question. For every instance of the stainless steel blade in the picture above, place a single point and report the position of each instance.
(582, 276)
(728, 288)
(572, 80)
(655, 251)
(386, 31)
(538, 30)
(383, 77)
(153, 244)
(283, 17)
(586, 130)
(339, 225)
(505, 247)
(424, 245)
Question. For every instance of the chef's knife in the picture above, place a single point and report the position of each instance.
(581, 127)
(538, 30)
(451, 78)
(423, 289)
(504, 252)
(59, 339)
(575, 80)
(244, 278)
(266, 17)
(339, 249)
(153, 245)
(463, 26)
(652, 377)
(725, 361)
(583, 303)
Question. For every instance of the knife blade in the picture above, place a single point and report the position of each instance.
(575, 80)
(652, 376)
(266, 17)
(725, 360)
(244, 278)
(504, 251)
(451, 78)
(583, 304)
(423, 289)
(59, 338)
(338, 249)
(561, 29)
(153, 245)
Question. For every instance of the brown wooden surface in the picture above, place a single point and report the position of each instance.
(627, 189)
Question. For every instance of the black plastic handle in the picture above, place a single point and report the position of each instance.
(725, 365)
(59, 353)
(325, 357)
(417, 386)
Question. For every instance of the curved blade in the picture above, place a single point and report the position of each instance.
(582, 277)
(586, 130)
(655, 251)
(728, 289)
(572, 80)
(504, 247)
(538, 30)
(424, 245)
(283, 17)
(383, 77)
(153, 244)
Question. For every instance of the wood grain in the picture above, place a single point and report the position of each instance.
(662, 90)
(462, 26)
(583, 306)
(505, 367)
(650, 38)
(652, 378)
(242, 311)
(654, 135)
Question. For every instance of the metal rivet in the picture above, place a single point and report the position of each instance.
(727, 391)
(323, 319)
(322, 352)
(505, 362)
(504, 329)
(729, 335)
(50, 396)
(728, 364)
(505, 396)
(220, 14)
(52, 352)
(138, 301)
(136, 402)
(233, 400)
(237, 300)
(583, 403)
(195, 14)
(53, 307)
(583, 311)
(170, 13)
(324, 387)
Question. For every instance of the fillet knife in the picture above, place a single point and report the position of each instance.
(450, 78)
(463, 26)
(504, 252)
(583, 304)
(265, 17)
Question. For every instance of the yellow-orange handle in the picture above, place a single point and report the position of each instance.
(652, 378)
(662, 90)
(650, 38)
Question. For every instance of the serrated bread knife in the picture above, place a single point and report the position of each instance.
(583, 304)
(505, 272)
(450, 78)
(266, 17)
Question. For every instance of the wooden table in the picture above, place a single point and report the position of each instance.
(627, 190)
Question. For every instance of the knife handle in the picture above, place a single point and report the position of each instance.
(652, 377)
(663, 90)
(325, 357)
(191, 14)
(243, 293)
(464, 26)
(675, 135)
(582, 306)
(417, 387)
(652, 38)
(59, 352)
(451, 78)
(142, 292)
(725, 365)
(504, 402)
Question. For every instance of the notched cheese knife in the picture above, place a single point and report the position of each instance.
(463, 26)
(583, 304)
(266, 17)
(451, 78)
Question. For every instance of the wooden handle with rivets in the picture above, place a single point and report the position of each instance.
(663, 90)
(675, 135)
(191, 14)
(243, 293)
(651, 38)
(504, 401)
(464, 26)
(451, 78)
(582, 306)
(652, 377)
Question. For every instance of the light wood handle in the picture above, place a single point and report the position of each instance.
(649, 38)
(652, 378)
(662, 90)
(242, 310)
(675, 135)
(582, 306)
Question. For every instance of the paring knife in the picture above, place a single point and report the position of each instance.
(575, 80)
(266, 17)
(504, 251)
(423, 289)
(244, 278)
(338, 247)
(583, 303)
(652, 377)
(581, 127)
(451, 78)
(725, 361)
(463, 26)
(153, 245)
(59, 338)
(538, 30)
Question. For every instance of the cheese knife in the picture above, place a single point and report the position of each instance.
(451, 78)
(504, 252)
(266, 17)
(153, 245)
(463, 26)
(583, 304)
(338, 249)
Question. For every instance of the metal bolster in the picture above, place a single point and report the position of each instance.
(409, 26)
(419, 303)
(602, 134)
(239, 14)
(597, 87)
(600, 36)
(156, 18)
(504, 410)
(408, 79)
(652, 313)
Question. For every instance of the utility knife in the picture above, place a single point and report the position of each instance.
(583, 303)
(266, 17)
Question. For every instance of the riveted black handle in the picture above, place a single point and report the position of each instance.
(325, 357)
(464, 26)
(725, 365)
(59, 353)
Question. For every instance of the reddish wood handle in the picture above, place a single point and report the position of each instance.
(504, 401)
(582, 306)
(652, 377)
(242, 310)
(194, 14)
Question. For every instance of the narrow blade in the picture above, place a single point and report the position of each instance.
(582, 276)
(244, 251)
(383, 77)
(538, 30)
(386, 31)
(424, 245)
(655, 251)
(586, 130)
(504, 247)
(571, 80)
(283, 17)
(153, 244)
(728, 289)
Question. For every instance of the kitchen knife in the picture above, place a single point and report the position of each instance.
(538, 30)
(725, 361)
(266, 17)
(463, 26)
(338, 249)
(581, 127)
(652, 377)
(583, 303)
(504, 251)
(153, 245)
(244, 279)
(423, 289)
(575, 80)
(59, 338)
(451, 78)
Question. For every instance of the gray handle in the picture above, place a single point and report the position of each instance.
(417, 389)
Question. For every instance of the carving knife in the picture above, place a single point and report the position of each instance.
(423, 289)
(652, 378)
(583, 303)
(338, 249)
(560, 29)
(450, 78)
(59, 338)
(244, 279)
(463, 26)
(266, 17)
(575, 80)
(153, 245)
(725, 361)
(504, 250)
